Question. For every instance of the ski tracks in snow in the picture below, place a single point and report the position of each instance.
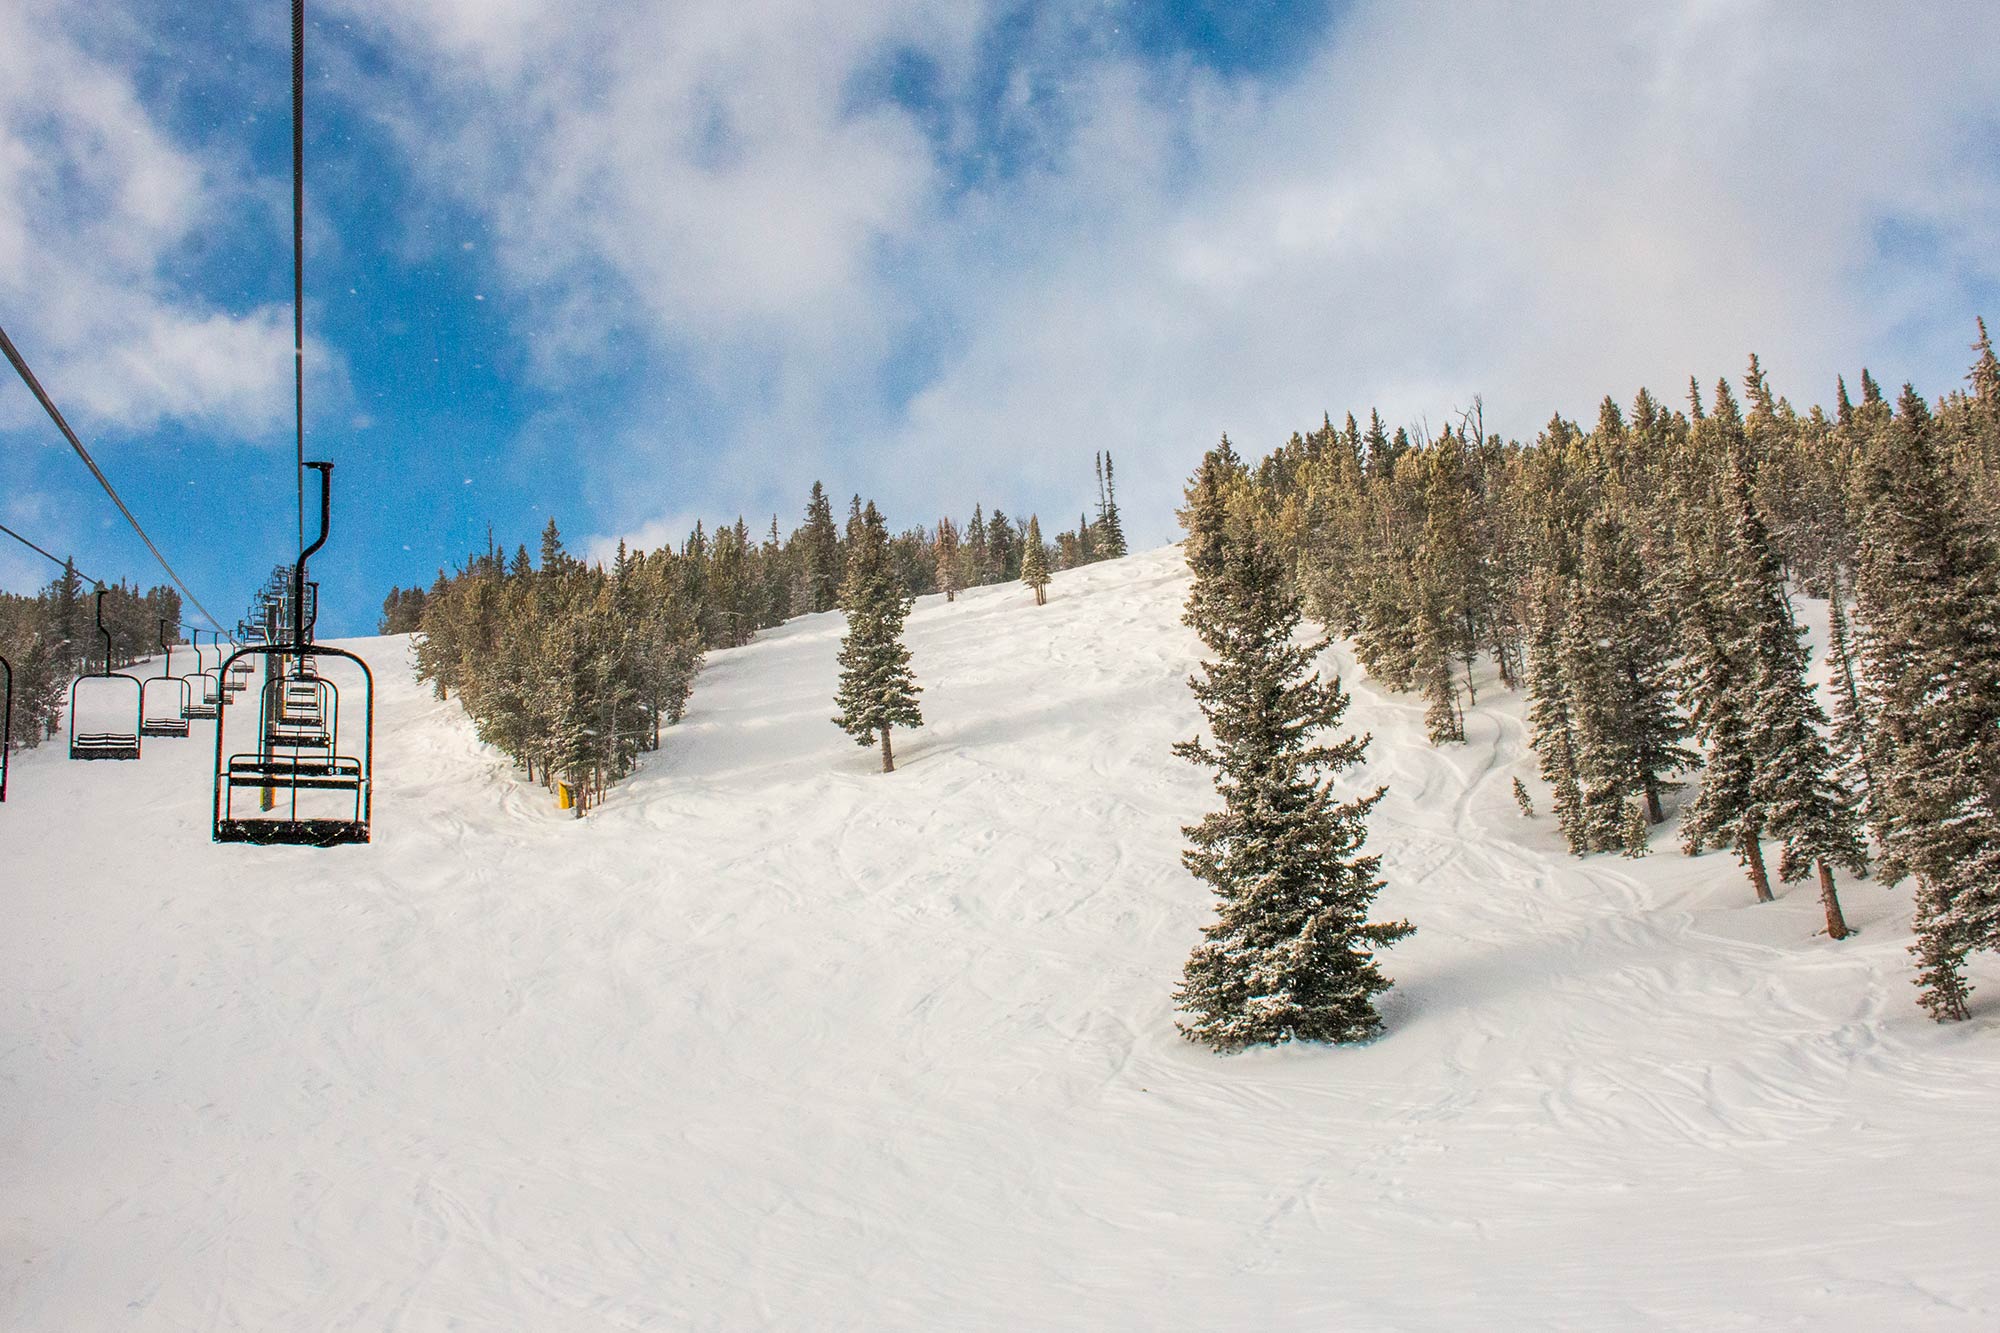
(774, 1040)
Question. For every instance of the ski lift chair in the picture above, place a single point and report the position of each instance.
(205, 693)
(236, 678)
(204, 686)
(164, 699)
(104, 721)
(308, 792)
(6, 726)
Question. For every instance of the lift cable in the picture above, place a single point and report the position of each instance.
(299, 249)
(65, 565)
(55, 415)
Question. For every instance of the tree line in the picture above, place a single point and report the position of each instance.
(1636, 580)
(50, 636)
(568, 667)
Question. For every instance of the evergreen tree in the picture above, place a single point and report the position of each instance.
(1523, 800)
(1795, 790)
(1109, 538)
(1553, 732)
(1002, 548)
(1927, 594)
(1850, 709)
(821, 545)
(1034, 561)
(1618, 659)
(1723, 679)
(70, 625)
(979, 571)
(553, 556)
(947, 559)
(1291, 954)
(877, 689)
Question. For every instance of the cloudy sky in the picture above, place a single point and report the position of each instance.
(631, 263)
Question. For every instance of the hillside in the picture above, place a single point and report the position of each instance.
(774, 1039)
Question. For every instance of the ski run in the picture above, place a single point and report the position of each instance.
(773, 1039)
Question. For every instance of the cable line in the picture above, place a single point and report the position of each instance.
(299, 248)
(55, 415)
(65, 565)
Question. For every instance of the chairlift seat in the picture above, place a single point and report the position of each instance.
(293, 832)
(164, 726)
(104, 745)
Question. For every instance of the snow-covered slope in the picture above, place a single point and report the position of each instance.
(775, 1040)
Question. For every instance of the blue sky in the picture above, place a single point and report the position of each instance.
(634, 264)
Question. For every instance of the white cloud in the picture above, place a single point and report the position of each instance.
(1533, 203)
(96, 199)
(1536, 204)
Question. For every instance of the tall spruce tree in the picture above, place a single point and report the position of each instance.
(1109, 539)
(1291, 955)
(946, 572)
(1552, 727)
(1927, 596)
(821, 541)
(1003, 548)
(1794, 789)
(877, 688)
(1035, 561)
(1727, 810)
(1618, 658)
(979, 565)
(1850, 735)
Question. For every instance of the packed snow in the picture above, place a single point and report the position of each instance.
(775, 1040)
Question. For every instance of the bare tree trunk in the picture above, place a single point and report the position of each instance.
(888, 754)
(1753, 856)
(1654, 814)
(1469, 656)
(1836, 924)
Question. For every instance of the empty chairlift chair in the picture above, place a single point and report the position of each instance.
(104, 710)
(237, 676)
(204, 686)
(164, 699)
(306, 783)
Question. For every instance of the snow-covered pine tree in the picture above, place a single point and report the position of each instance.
(1593, 689)
(947, 559)
(821, 542)
(979, 565)
(1850, 736)
(1109, 540)
(1444, 723)
(1927, 599)
(1035, 561)
(1616, 659)
(554, 558)
(1722, 679)
(1794, 787)
(1291, 955)
(1523, 800)
(1003, 547)
(1551, 726)
(877, 689)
